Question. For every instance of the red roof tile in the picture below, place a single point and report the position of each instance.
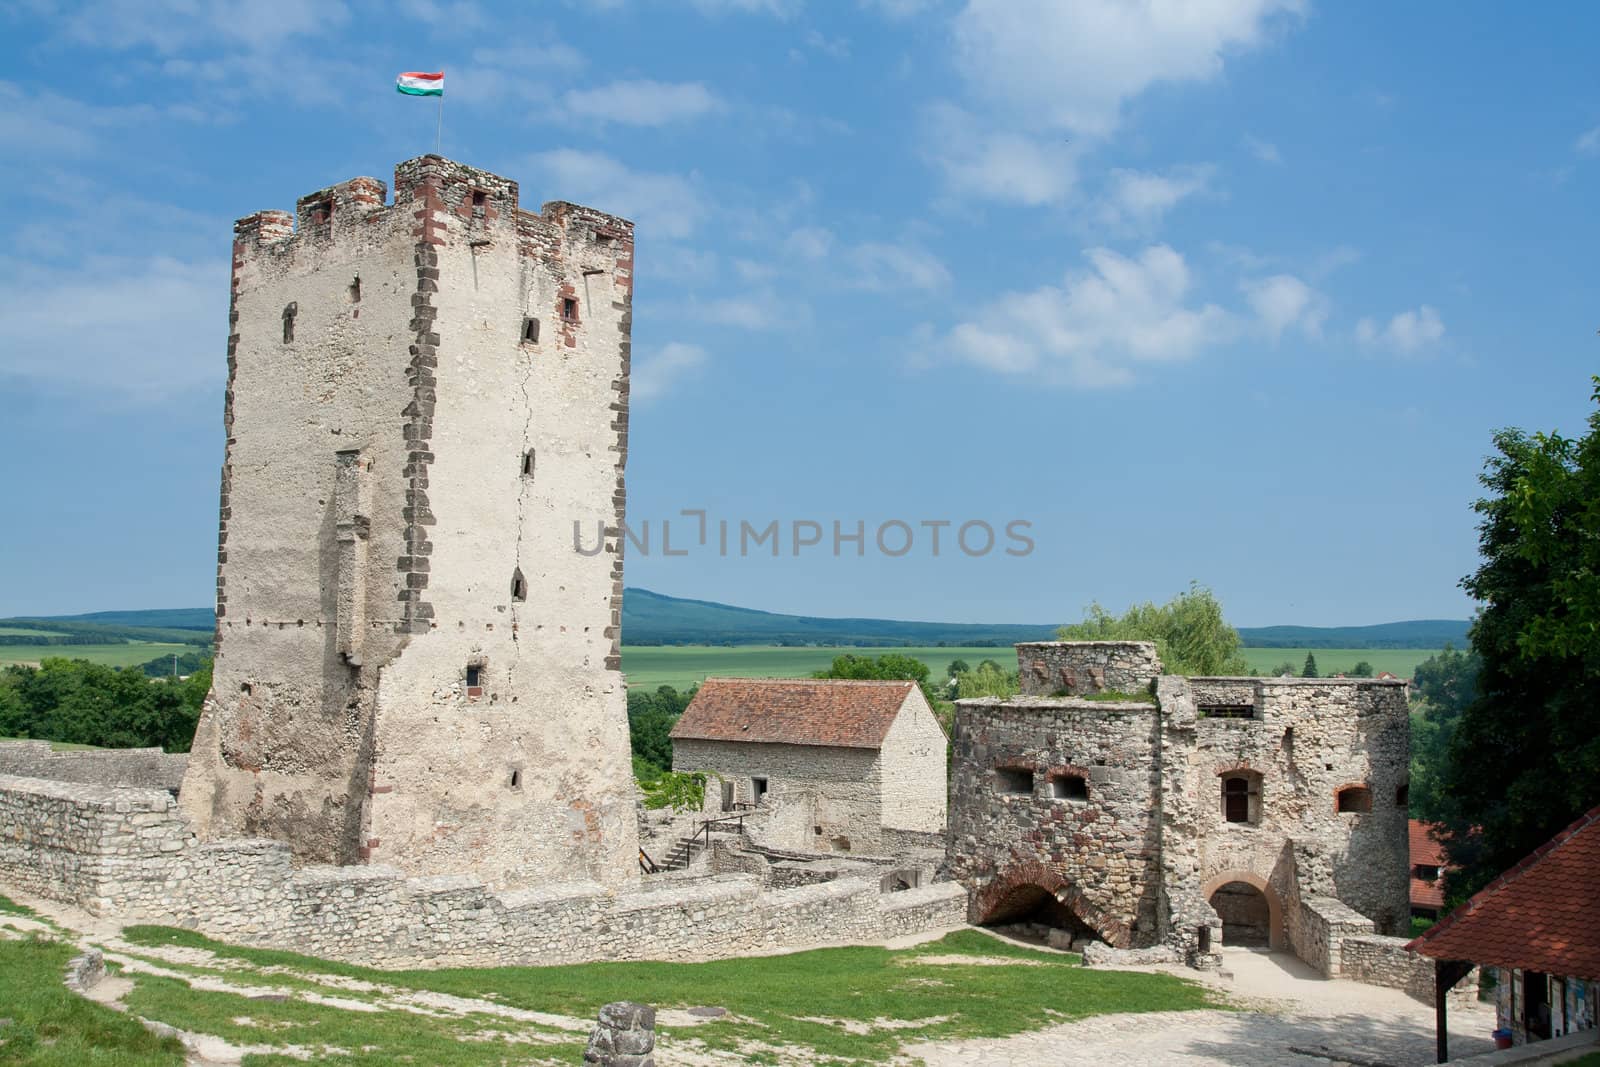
(793, 711)
(1539, 915)
(1425, 852)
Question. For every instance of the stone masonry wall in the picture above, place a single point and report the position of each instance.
(147, 768)
(825, 797)
(132, 854)
(426, 398)
(1077, 668)
(1098, 853)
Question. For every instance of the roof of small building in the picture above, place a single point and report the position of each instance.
(1538, 916)
(1425, 852)
(793, 711)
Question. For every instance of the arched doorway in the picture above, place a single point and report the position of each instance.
(1248, 908)
(1033, 913)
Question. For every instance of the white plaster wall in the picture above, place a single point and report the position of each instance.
(913, 772)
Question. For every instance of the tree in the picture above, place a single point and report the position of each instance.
(1445, 684)
(989, 679)
(889, 666)
(1524, 759)
(957, 666)
(1362, 669)
(651, 717)
(1310, 669)
(1189, 632)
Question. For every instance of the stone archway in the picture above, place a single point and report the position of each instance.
(1031, 887)
(1250, 910)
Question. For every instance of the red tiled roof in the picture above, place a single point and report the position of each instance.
(793, 711)
(1425, 852)
(1538, 916)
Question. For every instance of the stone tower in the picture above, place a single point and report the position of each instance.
(415, 666)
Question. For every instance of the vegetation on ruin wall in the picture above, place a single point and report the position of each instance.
(84, 703)
(1189, 632)
(927, 990)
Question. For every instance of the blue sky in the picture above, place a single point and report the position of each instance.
(1232, 291)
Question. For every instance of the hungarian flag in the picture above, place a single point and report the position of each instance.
(414, 83)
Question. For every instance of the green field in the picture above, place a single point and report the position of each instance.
(17, 631)
(1399, 661)
(128, 655)
(682, 666)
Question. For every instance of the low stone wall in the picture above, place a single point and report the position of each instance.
(1379, 960)
(131, 853)
(1323, 927)
(144, 768)
(1078, 668)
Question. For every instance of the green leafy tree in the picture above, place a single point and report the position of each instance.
(1362, 669)
(1281, 670)
(988, 679)
(1525, 754)
(1444, 686)
(651, 717)
(1310, 669)
(889, 666)
(1189, 631)
(957, 666)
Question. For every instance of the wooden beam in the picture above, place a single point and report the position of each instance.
(1446, 973)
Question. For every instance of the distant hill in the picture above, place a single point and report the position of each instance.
(1422, 633)
(654, 619)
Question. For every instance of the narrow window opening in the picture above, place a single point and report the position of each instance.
(1241, 798)
(1402, 795)
(1205, 939)
(519, 586)
(530, 331)
(479, 199)
(321, 212)
(569, 309)
(1227, 711)
(758, 789)
(1354, 798)
(355, 290)
(246, 688)
(527, 464)
(1069, 787)
(516, 778)
(1015, 780)
(474, 680)
(289, 312)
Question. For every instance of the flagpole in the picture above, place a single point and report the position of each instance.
(438, 134)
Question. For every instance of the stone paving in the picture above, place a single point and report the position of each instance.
(1298, 1019)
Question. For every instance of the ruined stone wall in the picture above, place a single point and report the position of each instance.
(1098, 854)
(147, 768)
(424, 400)
(824, 797)
(1385, 961)
(1309, 738)
(1324, 926)
(133, 854)
(1077, 668)
(912, 771)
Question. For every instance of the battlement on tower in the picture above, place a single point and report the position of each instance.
(436, 197)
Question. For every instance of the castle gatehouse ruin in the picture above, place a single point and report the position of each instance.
(1112, 802)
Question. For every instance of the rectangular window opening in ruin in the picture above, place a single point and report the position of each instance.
(289, 312)
(474, 680)
(527, 464)
(1227, 711)
(758, 789)
(355, 290)
(1069, 787)
(479, 199)
(516, 778)
(1013, 780)
(530, 330)
(1427, 873)
(569, 309)
(1355, 798)
(322, 212)
(1241, 798)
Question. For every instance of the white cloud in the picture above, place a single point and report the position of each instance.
(664, 205)
(141, 328)
(1072, 65)
(1407, 333)
(660, 370)
(757, 311)
(809, 242)
(642, 103)
(1000, 164)
(1283, 302)
(1097, 326)
(889, 267)
(898, 9)
(1139, 199)
(1265, 151)
(1588, 143)
(171, 26)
